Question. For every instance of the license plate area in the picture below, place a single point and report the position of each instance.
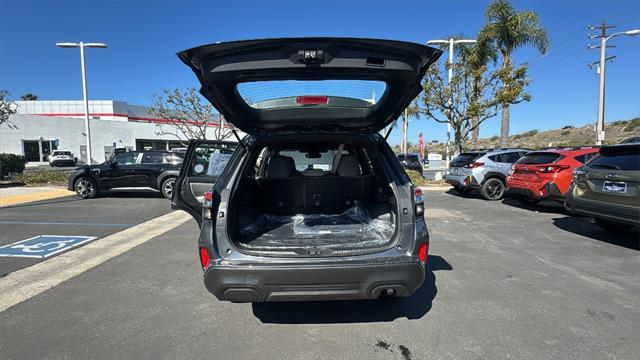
(614, 187)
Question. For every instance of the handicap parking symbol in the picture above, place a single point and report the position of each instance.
(43, 246)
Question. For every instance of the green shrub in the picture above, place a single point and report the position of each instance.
(416, 178)
(11, 163)
(632, 125)
(525, 134)
(494, 138)
(44, 177)
(565, 132)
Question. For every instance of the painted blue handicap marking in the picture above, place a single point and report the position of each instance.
(43, 246)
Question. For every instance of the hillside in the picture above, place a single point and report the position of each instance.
(567, 136)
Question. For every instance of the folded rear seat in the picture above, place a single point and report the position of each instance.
(281, 189)
(334, 194)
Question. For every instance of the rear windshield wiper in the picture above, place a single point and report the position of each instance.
(606, 166)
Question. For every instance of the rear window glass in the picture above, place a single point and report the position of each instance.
(312, 160)
(618, 159)
(56, 153)
(408, 157)
(539, 158)
(466, 158)
(292, 93)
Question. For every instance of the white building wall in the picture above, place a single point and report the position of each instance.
(70, 133)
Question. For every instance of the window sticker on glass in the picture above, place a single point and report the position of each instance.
(217, 162)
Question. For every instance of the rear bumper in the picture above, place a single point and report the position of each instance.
(457, 180)
(538, 190)
(259, 283)
(626, 214)
(63, 162)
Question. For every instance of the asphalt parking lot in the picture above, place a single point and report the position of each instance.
(113, 211)
(503, 282)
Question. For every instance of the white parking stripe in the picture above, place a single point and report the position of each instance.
(26, 283)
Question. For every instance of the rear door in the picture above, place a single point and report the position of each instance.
(614, 176)
(310, 83)
(204, 162)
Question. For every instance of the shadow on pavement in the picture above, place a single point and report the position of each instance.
(546, 206)
(326, 312)
(65, 199)
(586, 227)
(126, 193)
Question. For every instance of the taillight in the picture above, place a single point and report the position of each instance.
(204, 258)
(474, 165)
(207, 203)
(547, 169)
(423, 251)
(312, 100)
(418, 200)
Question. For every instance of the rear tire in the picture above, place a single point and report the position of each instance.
(85, 187)
(462, 190)
(167, 187)
(493, 189)
(613, 226)
(528, 200)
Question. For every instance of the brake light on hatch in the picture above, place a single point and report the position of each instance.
(207, 203)
(423, 252)
(474, 165)
(418, 200)
(548, 169)
(312, 100)
(204, 258)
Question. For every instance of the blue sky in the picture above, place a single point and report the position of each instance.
(143, 37)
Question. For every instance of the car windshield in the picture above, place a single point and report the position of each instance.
(329, 93)
(539, 158)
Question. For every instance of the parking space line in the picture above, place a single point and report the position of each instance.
(11, 222)
(26, 283)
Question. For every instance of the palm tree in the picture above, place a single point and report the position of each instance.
(509, 29)
(411, 111)
(476, 57)
(29, 97)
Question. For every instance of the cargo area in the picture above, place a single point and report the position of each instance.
(313, 199)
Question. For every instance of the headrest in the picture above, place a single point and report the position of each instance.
(348, 166)
(281, 166)
(314, 172)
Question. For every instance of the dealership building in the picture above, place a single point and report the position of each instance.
(39, 127)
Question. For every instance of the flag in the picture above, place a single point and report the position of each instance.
(421, 146)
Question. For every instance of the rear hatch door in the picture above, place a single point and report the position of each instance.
(310, 83)
(614, 176)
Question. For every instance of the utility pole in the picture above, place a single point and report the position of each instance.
(451, 43)
(601, 70)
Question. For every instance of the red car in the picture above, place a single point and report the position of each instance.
(547, 174)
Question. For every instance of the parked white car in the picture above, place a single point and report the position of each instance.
(61, 158)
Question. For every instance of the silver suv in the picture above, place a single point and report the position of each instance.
(485, 170)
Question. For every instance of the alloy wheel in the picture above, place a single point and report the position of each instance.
(85, 188)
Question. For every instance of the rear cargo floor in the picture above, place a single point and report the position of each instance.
(353, 229)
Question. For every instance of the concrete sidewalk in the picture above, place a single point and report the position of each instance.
(27, 194)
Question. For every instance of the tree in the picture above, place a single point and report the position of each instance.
(29, 97)
(411, 111)
(476, 58)
(468, 97)
(509, 30)
(188, 116)
(7, 107)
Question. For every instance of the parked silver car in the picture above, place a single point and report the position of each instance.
(485, 170)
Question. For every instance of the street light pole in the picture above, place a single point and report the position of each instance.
(451, 42)
(87, 128)
(603, 60)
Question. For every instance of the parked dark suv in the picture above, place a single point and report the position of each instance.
(313, 204)
(411, 162)
(154, 169)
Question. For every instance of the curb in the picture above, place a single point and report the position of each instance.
(36, 196)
